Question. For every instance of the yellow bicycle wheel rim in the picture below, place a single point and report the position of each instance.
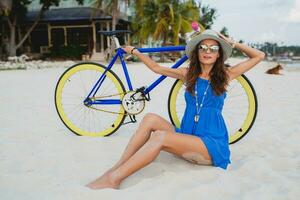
(251, 111)
(173, 108)
(61, 111)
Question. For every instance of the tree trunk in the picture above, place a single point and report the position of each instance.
(31, 28)
(115, 14)
(12, 50)
(13, 28)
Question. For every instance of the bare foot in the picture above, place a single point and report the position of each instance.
(107, 180)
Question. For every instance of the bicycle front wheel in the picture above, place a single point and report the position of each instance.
(239, 110)
(92, 119)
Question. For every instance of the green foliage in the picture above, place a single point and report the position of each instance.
(272, 49)
(163, 19)
(224, 31)
(69, 51)
(294, 49)
(207, 16)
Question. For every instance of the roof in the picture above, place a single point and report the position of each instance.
(69, 14)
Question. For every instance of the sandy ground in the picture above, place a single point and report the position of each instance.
(41, 159)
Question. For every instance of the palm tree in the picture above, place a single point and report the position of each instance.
(163, 19)
(111, 7)
(207, 16)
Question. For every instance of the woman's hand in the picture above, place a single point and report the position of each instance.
(130, 49)
(231, 41)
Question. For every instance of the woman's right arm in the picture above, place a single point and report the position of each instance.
(255, 56)
(178, 73)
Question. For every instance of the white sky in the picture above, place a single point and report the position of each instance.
(259, 20)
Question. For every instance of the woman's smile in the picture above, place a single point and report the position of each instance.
(207, 56)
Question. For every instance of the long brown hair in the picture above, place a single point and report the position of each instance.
(218, 76)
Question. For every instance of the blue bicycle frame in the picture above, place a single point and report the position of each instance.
(119, 53)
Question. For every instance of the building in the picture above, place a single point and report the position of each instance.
(70, 24)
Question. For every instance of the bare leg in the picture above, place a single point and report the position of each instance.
(150, 122)
(179, 144)
(145, 155)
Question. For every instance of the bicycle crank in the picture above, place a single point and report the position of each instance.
(133, 102)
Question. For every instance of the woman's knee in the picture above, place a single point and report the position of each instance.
(150, 119)
(155, 122)
(157, 138)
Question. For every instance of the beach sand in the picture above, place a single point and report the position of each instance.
(41, 159)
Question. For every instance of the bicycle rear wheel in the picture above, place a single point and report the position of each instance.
(239, 110)
(94, 119)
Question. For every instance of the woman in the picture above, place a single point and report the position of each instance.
(202, 137)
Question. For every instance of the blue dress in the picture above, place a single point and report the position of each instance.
(211, 126)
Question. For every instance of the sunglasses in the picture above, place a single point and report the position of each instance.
(204, 48)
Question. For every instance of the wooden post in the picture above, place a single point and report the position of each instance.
(101, 39)
(129, 41)
(107, 28)
(94, 37)
(49, 35)
(65, 33)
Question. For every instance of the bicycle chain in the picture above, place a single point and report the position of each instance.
(98, 109)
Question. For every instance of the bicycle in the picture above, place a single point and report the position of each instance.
(91, 100)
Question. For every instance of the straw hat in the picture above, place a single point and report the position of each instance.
(208, 34)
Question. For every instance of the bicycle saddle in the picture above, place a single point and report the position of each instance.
(116, 32)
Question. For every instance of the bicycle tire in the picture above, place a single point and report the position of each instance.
(72, 79)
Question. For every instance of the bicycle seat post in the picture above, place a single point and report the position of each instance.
(116, 41)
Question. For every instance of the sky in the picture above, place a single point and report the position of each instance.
(259, 20)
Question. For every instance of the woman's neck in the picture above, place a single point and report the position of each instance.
(206, 69)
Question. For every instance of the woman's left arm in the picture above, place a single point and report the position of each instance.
(255, 56)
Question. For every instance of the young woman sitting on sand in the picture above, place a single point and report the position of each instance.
(202, 137)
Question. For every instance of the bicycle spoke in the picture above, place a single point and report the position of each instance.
(97, 118)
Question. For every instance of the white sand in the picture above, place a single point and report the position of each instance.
(42, 159)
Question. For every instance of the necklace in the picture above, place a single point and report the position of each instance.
(196, 118)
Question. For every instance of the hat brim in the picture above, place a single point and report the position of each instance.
(191, 45)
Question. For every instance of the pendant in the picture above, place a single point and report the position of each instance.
(196, 118)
